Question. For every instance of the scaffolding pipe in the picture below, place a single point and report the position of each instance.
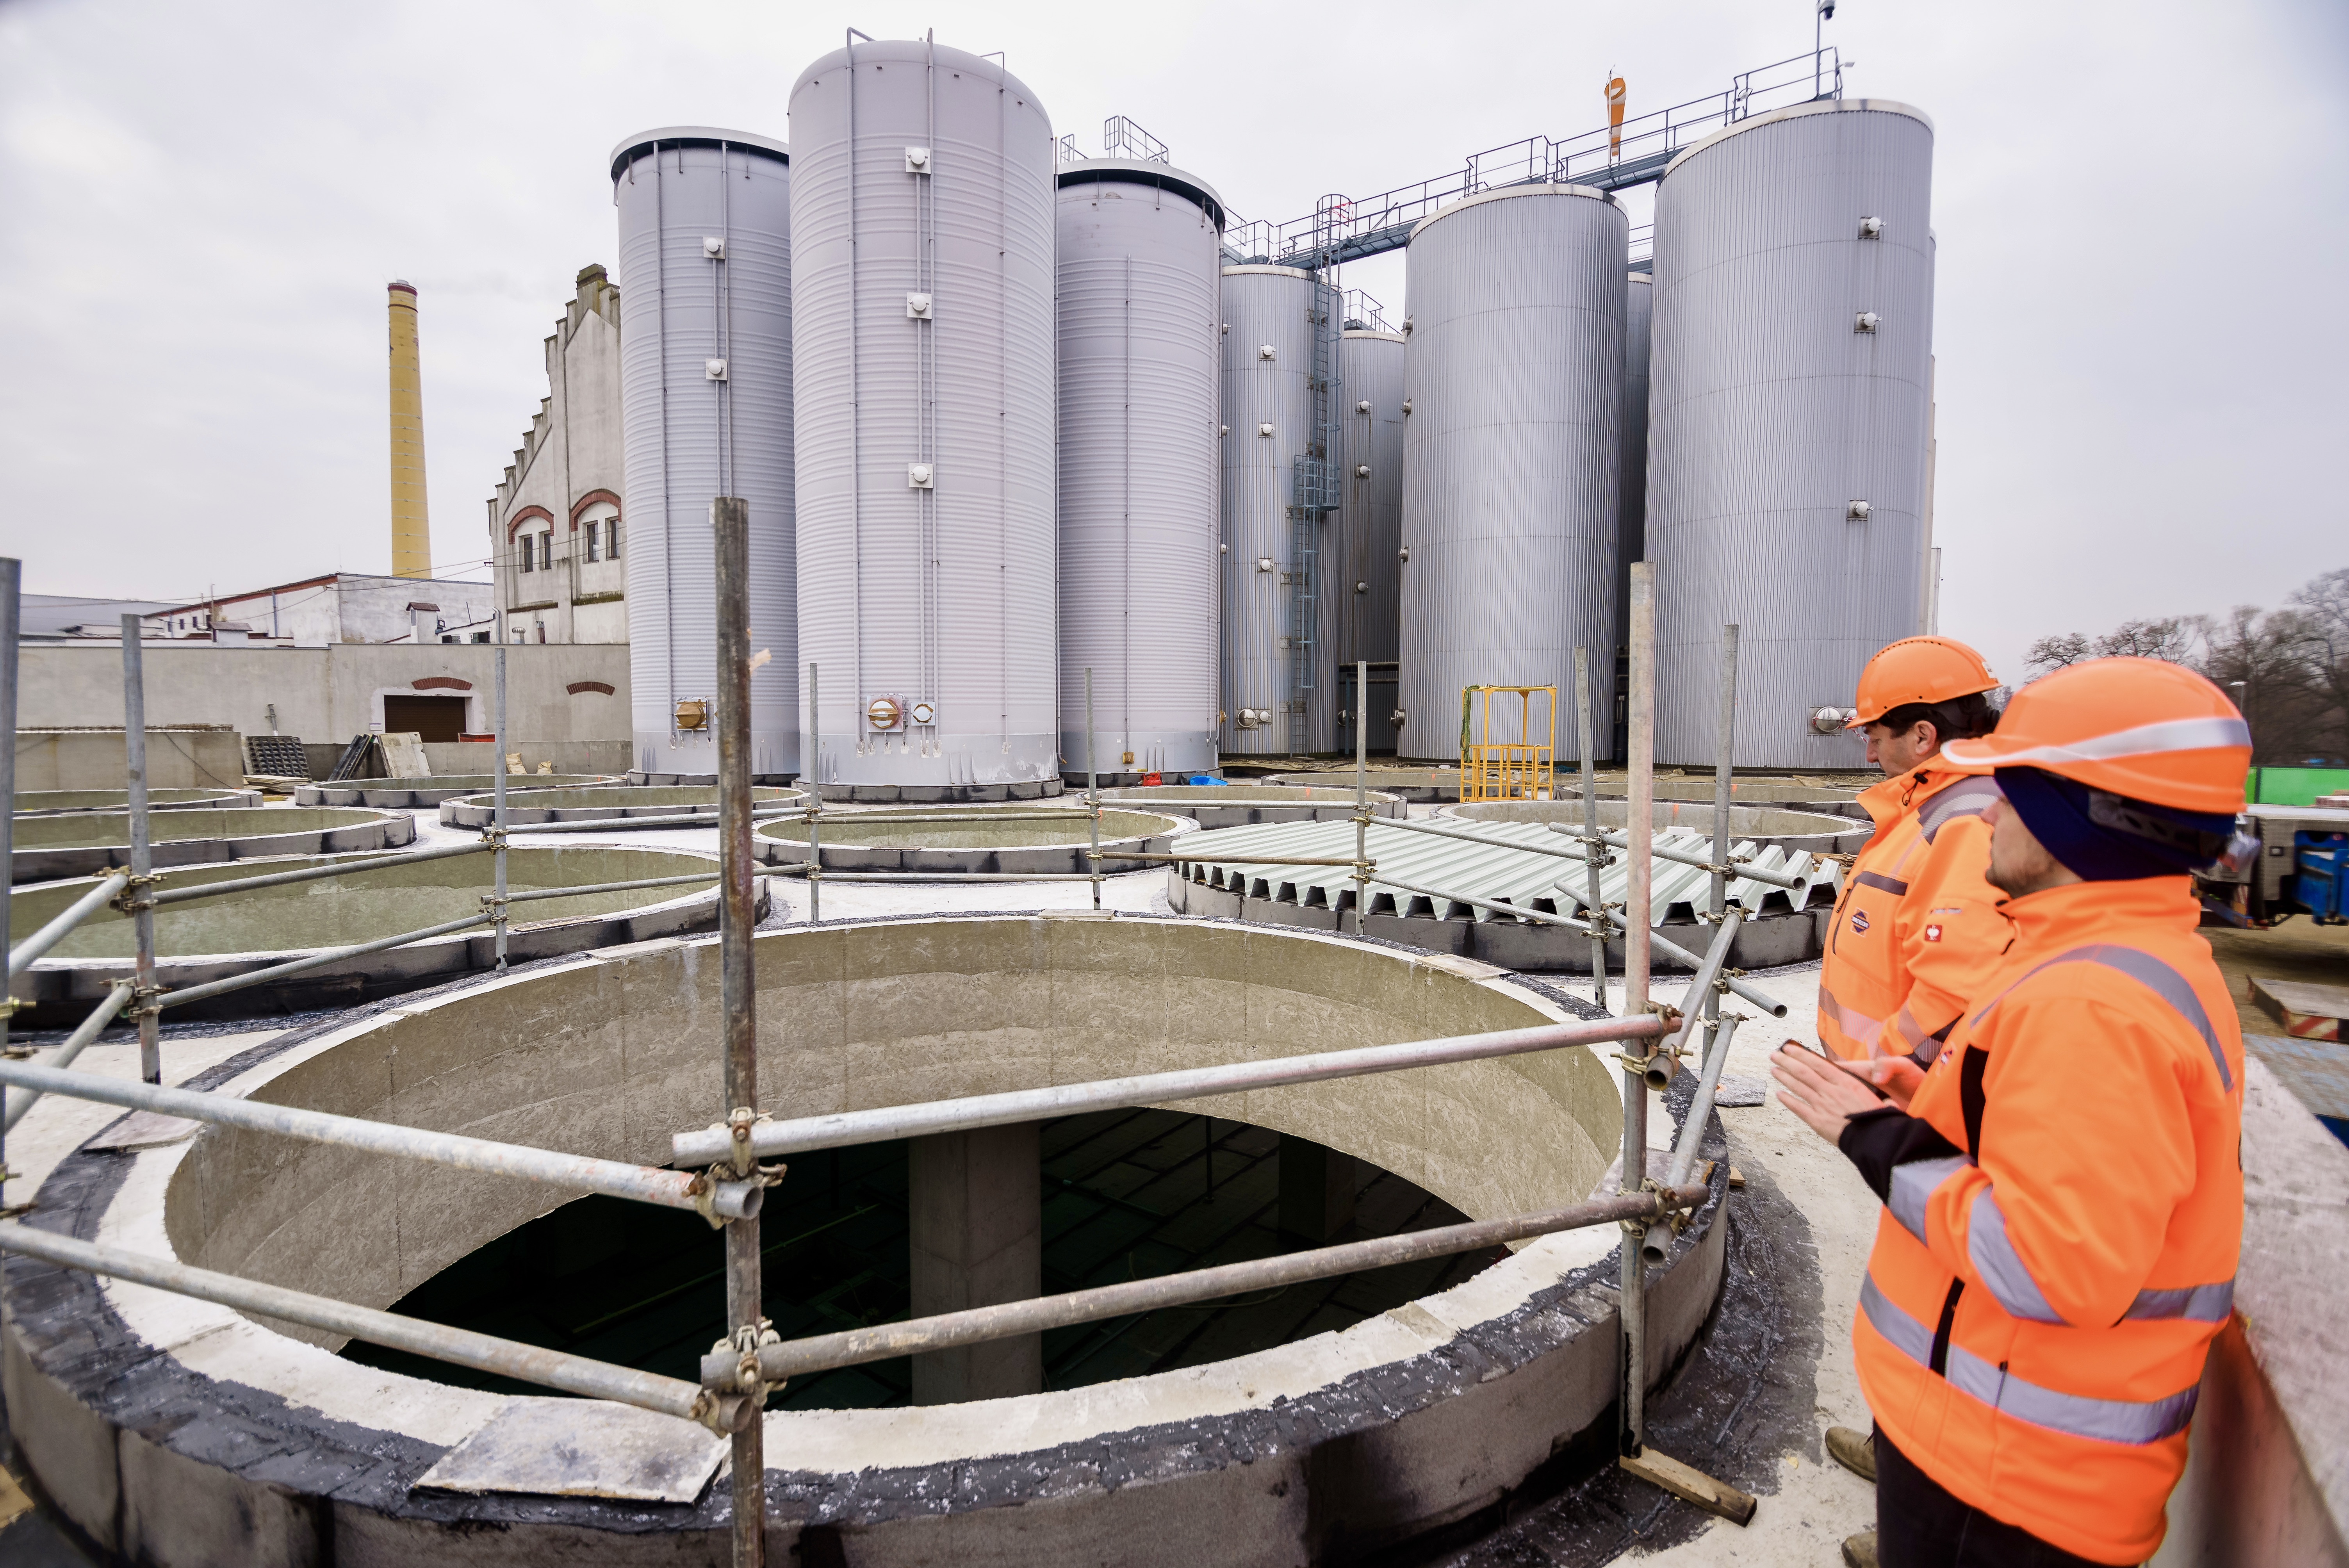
(1092, 789)
(712, 875)
(1577, 853)
(1708, 1087)
(315, 961)
(118, 997)
(1246, 860)
(738, 917)
(1595, 903)
(458, 1347)
(580, 1172)
(1361, 790)
(140, 903)
(817, 1352)
(1637, 938)
(11, 580)
(23, 957)
(313, 873)
(498, 805)
(881, 1123)
(1791, 881)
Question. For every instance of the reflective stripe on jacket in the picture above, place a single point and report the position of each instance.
(1915, 930)
(2061, 1222)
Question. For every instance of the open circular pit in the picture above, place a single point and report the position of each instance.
(597, 803)
(50, 802)
(409, 794)
(1017, 845)
(83, 845)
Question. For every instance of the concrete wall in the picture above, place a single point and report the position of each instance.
(328, 695)
(96, 758)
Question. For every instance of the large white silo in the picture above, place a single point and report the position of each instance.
(1608, 724)
(1514, 373)
(705, 276)
(1367, 581)
(922, 203)
(1139, 255)
(1787, 438)
(1268, 333)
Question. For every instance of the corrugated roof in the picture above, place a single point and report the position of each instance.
(1544, 884)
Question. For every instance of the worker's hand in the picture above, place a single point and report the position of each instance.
(1897, 1076)
(1822, 1093)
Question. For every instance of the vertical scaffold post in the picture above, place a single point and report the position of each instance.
(1595, 906)
(1092, 790)
(811, 775)
(11, 579)
(730, 518)
(1362, 793)
(1724, 787)
(139, 898)
(1640, 825)
(498, 801)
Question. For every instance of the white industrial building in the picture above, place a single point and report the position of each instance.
(336, 607)
(555, 531)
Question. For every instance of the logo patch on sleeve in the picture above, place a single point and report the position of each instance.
(1858, 921)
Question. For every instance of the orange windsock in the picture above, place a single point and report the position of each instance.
(1615, 117)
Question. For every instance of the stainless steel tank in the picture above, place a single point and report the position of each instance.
(1140, 249)
(1787, 440)
(1639, 313)
(921, 215)
(705, 278)
(1367, 583)
(1266, 334)
(1513, 378)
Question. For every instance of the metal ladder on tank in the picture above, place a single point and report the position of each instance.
(1312, 496)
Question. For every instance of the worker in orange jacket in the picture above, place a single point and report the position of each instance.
(1915, 928)
(2063, 1197)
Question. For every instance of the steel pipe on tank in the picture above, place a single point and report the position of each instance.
(885, 1122)
(641, 1184)
(944, 1332)
(142, 854)
(24, 955)
(815, 802)
(1092, 789)
(315, 873)
(457, 1346)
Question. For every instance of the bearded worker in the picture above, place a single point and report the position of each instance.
(2063, 1200)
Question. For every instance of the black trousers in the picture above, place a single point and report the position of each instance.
(1919, 1524)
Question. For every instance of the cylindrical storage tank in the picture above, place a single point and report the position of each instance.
(706, 411)
(1266, 335)
(1514, 376)
(922, 208)
(1607, 716)
(1369, 523)
(1140, 248)
(1786, 440)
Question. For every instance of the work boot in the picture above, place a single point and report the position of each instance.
(1856, 1451)
(1859, 1550)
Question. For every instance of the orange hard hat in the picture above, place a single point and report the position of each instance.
(1919, 669)
(2137, 728)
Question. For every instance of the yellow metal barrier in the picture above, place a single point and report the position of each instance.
(1507, 770)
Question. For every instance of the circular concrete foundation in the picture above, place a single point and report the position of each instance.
(595, 803)
(697, 781)
(1415, 784)
(1011, 847)
(410, 793)
(82, 845)
(50, 802)
(209, 939)
(1241, 805)
(934, 794)
(1770, 827)
(170, 1429)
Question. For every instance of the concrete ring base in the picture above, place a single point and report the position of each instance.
(408, 794)
(197, 837)
(940, 794)
(1004, 849)
(1245, 805)
(171, 1431)
(54, 802)
(612, 802)
(1417, 785)
(705, 781)
(1768, 827)
(205, 940)
(1767, 942)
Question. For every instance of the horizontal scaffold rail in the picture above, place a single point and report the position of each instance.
(889, 1122)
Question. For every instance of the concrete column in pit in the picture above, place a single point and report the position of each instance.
(976, 1212)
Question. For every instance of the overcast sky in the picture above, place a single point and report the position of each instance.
(2143, 211)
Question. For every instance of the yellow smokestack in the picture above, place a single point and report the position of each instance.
(411, 532)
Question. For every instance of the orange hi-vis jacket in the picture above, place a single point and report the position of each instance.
(1915, 930)
(2064, 1207)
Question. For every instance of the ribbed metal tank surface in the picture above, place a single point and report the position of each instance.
(1513, 370)
(1139, 250)
(1638, 314)
(922, 212)
(1367, 580)
(1266, 410)
(1786, 438)
(691, 433)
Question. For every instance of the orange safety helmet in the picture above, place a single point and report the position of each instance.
(2137, 727)
(1919, 669)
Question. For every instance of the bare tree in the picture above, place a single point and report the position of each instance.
(2053, 652)
(2169, 639)
(2262, 659)
(2323, 608)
